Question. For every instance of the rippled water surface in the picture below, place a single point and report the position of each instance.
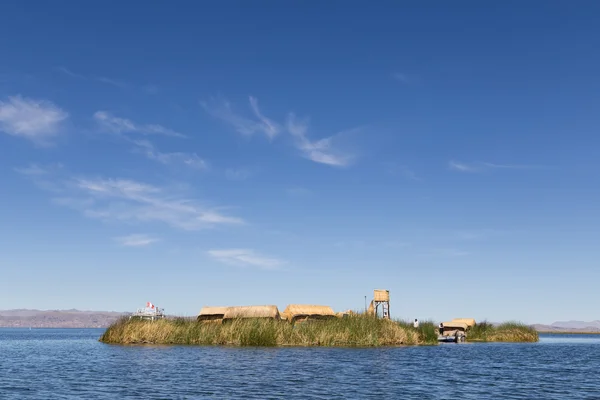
(72, 364)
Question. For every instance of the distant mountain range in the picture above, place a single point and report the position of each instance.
(57, 318)
(101, 319)
(569, 326)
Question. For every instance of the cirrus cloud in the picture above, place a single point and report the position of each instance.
(35, 120)
(486, 166)
(123, 125)
(320, 151)
(129, 201)
(223, 110)
(245, 258)
(136, 240)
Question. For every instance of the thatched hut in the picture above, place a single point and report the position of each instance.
(302, 312)
(469, 321)
(212, 313)
(251, 312)
(381, 295)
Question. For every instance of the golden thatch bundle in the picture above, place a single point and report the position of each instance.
(251, 312)
(296, 312)
(469, 321)
(212, 313)
(381, 295)
(455, 325)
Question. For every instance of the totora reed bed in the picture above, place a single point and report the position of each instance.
(355, 330)
(505, 332)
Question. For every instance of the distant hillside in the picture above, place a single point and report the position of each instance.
(57, 318)
(577, 324)
(569, 326)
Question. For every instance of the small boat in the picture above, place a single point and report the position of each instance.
(453, 331)
(451, 339)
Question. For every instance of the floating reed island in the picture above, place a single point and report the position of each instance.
(352, 330)
(298, 325)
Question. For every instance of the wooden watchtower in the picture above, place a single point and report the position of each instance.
(381, 297)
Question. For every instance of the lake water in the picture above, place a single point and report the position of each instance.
(72, 364)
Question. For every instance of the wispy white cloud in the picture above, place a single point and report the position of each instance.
(127, 200)
(123, 125)
(191, 160)
(270, 128)
(462, 167)
(222, 109)
(245, 258)
(36, 120)
(136, 240)
(486, 166)
(321, 151)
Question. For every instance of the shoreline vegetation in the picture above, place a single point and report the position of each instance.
(511, 332)
(357, 330)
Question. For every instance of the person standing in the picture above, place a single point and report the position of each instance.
(416, 323)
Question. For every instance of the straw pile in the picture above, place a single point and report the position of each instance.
(212, 313)
(455, 325)
(469, 321)
(244, 312)
(302, 312)
(381, 295)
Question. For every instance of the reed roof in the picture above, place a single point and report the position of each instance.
(251, 312)
(381, 295)
(469, 321)
(306, 310)
(455, 325)
(213, 311)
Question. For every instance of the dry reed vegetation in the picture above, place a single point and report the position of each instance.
(358, 330)
(355, 330)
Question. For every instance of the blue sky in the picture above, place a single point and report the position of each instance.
(301, 152)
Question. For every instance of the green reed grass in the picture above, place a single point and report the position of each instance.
(505, 332)
(357, 330)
